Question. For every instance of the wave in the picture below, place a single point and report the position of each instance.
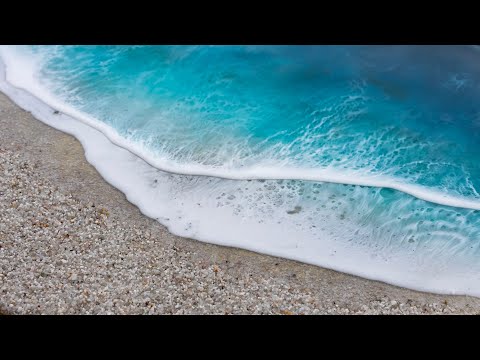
(376, 233)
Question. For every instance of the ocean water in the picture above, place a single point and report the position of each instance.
(363, 159)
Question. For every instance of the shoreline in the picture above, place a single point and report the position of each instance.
(179, 275)
(158, 197)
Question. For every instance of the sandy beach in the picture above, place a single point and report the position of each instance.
(70, 243)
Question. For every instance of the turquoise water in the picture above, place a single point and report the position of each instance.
(409, 113)
(392, 117)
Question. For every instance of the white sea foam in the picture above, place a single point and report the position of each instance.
(266, 216)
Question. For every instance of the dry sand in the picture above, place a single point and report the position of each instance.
(72, 244)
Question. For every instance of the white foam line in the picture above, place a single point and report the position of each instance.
(23, 79)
